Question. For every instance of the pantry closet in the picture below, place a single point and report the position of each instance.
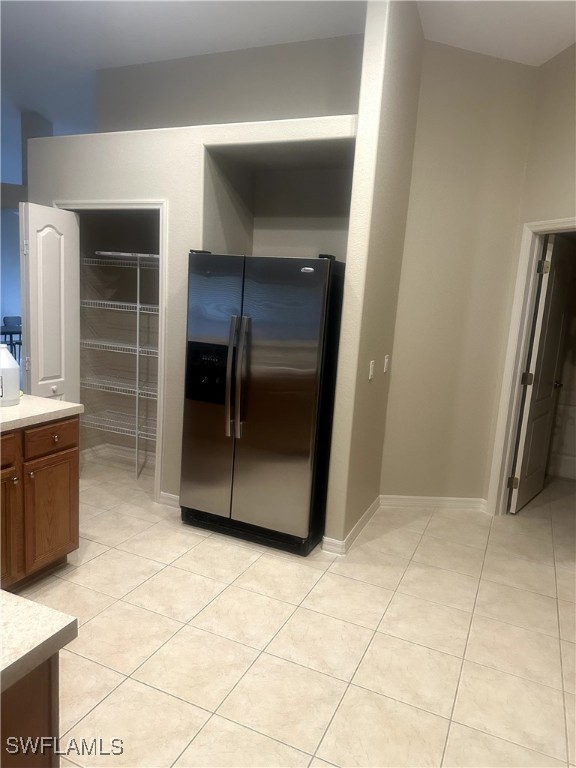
(119, 313)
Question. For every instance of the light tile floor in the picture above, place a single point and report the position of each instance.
(442, 638)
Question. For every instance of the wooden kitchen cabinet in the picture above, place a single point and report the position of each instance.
(12, 529)
(12, 533)
(50, 508)
(40, 498)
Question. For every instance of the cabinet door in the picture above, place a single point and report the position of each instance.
(11, 526)
(50, 508)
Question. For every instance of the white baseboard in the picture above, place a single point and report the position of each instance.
(466, 504)
(338, 547)
(169, 499)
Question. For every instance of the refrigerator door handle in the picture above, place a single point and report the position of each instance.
(244, 326)
(229, 362)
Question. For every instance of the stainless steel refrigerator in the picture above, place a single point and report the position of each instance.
(261, 356)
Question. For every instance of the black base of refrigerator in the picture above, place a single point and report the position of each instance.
(254, 533)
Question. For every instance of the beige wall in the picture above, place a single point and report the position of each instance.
(380, 189)
(167, 165)
(472, 142)
(550, 189)
(495, 149)
(319, 77)
(302, 212)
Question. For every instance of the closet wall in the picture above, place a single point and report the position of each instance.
(177, 167)
(306, 79)
(202, 208)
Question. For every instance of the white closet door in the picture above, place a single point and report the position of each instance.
(50, 270)
(538, 418)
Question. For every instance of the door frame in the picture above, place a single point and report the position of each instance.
(523, 307)
(162, 207)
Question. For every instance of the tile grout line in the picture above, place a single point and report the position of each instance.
(518, 626)
(374, 632)
(130, 675)
(523, 589)
(457, 689)
(323, 572)
(513, 743)
(165, 565)
(100, 663)
(97, 704)
(184, 624)
(564, 708)
(258, 656)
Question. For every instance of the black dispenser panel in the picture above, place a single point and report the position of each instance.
(206, 372)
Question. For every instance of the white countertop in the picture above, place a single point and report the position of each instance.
(31, 634)
(35, 410)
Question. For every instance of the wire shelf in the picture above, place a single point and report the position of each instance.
(121, 386)
(121, 306)
(113, 346)
(126, 255)
(120, 424)
(123, 259)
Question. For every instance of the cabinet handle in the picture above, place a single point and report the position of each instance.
(55, 438)
(31, 474)
(15, 480)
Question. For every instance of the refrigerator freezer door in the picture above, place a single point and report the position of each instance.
(285, 300)
(214, 305)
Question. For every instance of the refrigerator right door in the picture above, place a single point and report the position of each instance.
(277, 391)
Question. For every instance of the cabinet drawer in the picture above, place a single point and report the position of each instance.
(56, 436)
(8, 450)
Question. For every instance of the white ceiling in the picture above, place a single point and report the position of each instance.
(52, 48)
(526, 32)
(96, 34)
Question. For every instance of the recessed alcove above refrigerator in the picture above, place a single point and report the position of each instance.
(278, 199)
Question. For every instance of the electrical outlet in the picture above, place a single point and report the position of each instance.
(371, 370)
(386, 363)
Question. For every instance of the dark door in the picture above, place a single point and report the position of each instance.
(214, 304)
(277, 388)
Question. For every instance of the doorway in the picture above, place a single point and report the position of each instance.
(534, 416)
(542, 379)
(123, 262)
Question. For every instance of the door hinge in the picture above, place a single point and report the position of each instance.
(513, 482)
(543, 267)
(25, 248)
(26, 363)
(527, 379)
